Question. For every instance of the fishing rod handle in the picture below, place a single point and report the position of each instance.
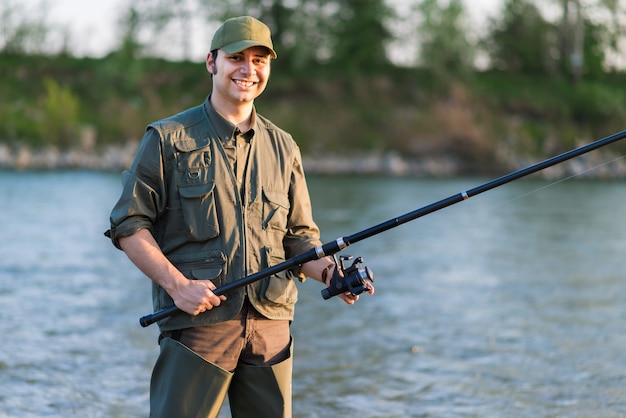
(157, 316)
(167, 312)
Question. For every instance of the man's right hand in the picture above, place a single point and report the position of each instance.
(196, 296)
(191, 296)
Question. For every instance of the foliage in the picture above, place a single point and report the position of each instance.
(359, 37)
(59, 115)
(594, 55)
(519, 42)
(402, 110)
(445, 45)
(21, 32)
(50, 119)
(124, 61)
(333, 68)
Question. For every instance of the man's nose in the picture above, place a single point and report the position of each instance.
(248, 68)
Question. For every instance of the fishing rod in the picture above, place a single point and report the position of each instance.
(356, 278)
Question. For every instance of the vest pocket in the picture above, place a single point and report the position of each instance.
(209, 265)
(214, 274)
(281, 288)
(275, 210)
(199, 211)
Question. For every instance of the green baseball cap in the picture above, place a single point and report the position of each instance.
(239, 33)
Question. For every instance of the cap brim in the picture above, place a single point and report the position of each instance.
(236, 47)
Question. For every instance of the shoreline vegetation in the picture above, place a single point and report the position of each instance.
(76, 113)
(527, 88)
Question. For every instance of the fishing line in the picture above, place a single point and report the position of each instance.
(332, 247)
(559, 181)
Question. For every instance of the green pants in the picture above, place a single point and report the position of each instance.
(186, 385)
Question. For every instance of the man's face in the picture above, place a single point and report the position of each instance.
(239, 78)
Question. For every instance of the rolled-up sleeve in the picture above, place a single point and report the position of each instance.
(144, 194)
(302, 231)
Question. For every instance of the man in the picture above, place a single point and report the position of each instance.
(214, 194)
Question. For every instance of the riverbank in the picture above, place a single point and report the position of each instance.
(602, 163)
(110, 158)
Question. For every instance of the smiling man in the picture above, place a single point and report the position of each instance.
(215, 193)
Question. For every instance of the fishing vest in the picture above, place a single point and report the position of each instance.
(209, 230)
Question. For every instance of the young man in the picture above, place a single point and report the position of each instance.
(214, 194)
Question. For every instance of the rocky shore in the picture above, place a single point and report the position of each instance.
(601, 163)
(112, 158)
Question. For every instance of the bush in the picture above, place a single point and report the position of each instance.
(59, 123)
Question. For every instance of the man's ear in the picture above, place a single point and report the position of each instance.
(210, 64)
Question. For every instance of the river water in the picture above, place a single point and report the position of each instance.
(510, 304)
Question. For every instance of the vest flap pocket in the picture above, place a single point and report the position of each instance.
(199, 259)
(281, 289)
(199, 212)
(206, 273)
(275, 210)
(278, 198)
(191, 144)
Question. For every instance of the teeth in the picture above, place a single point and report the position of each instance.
(244, 83)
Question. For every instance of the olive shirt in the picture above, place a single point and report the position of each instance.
(183, 187)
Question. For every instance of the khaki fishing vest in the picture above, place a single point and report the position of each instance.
(183, 183)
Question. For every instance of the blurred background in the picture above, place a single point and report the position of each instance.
(431, 87)
(508, 305)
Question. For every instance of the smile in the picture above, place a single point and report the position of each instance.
(244, 83)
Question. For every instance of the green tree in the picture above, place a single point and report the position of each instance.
(125, 63)
(165, 19)
(59, 123)
(445, 45)
(22, 32)
(360, 37)
(587, 33)
(615, 26)
(520, 40)
(596, 40)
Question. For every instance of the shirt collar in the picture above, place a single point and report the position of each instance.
(226, 130)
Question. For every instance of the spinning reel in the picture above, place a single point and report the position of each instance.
(355, 279)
